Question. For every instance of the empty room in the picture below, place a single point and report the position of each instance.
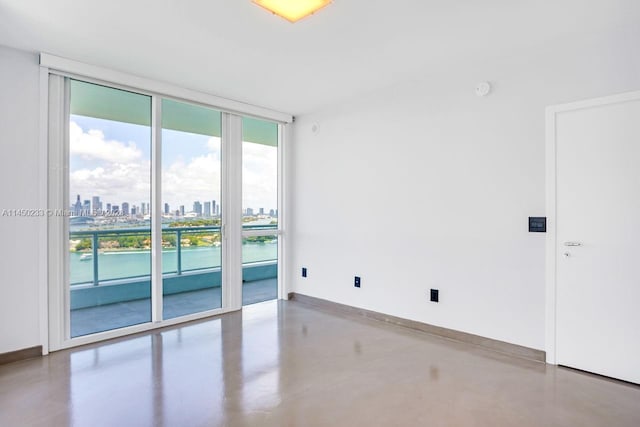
(319, 213)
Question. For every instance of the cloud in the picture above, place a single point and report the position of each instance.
(92, 145)
(213, 144)
(259, 176)
(114, 183)
(119, 172)
(196, 179)
(122, 174)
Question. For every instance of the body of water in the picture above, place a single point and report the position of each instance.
(122, 264)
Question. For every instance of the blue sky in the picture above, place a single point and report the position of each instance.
(112, 160)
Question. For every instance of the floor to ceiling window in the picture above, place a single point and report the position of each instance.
(141, 181)
(259, 210)
(191, 215)
(109, 196)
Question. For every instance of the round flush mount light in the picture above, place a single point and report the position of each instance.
(483, 89)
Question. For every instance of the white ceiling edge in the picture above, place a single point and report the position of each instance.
(474, 69)
(237, 51)
(80, 69)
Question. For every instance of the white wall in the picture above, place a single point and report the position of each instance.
(424, 185)
(19, 178)
(416, 186)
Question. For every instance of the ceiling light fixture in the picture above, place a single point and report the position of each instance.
(292, 10)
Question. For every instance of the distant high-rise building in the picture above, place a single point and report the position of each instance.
(77, 207)
(272, 212)
(181, 210)
(86, 207)
(207, 209)
(148, 209)
(214, 208)
(166, 208)
(134, 210)
(96, 204)
(261, 211)
(125, 208)
(115, 209)
(197, 208)
(108, 207)
(249, 211)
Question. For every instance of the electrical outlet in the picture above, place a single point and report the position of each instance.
(356, 281)
(304, 271)
(435, 297)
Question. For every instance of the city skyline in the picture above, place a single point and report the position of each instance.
(113, 159)
(96, 205)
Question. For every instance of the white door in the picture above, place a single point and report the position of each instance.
(598, 238)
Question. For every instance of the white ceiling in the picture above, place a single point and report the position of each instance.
(235, 49)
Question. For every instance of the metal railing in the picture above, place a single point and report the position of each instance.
(96, 235)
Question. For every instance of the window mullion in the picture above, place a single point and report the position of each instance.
(156, 210)
(283, 138)
(232, 211)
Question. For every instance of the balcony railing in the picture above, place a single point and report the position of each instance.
(180, 234)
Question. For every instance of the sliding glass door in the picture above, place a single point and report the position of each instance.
(168, 211)
(109, 194)
(191, 215)
(259, 210)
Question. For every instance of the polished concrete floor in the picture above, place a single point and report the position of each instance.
(106, 317)
(286, 364)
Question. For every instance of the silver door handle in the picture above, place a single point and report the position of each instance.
(572, 244)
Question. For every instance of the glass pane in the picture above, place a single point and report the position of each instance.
(259, 269)
(259, 174)
(191, 239)
(109, 226)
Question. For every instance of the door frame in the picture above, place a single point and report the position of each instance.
(551, 203)
(53, 289)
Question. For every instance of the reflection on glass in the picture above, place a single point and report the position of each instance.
(191, 239)
(109, 223)
(259, 269)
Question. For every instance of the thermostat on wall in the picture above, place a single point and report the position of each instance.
(537, 224)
